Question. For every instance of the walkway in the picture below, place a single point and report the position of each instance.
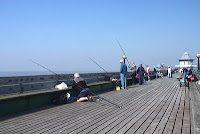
(158, 106)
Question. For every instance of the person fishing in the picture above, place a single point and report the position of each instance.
(79, 84)
(123, 73)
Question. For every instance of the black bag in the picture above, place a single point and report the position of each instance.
(59, 99)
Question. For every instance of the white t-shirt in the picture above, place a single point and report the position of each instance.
(169, 70)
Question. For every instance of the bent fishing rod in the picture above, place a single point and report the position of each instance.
(76, 84)
(122, 50)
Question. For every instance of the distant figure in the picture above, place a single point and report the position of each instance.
(123, 73)
(141, 73)
(133, 69)
(80, 85)
(189, 75)
(184, 72)
(169, 72)
(189, 72)
(155, 72)
(148, 73)
(162, 66)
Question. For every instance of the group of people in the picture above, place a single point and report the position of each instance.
(187, 73)
(80, 85)
(169, 71)
(137, 74)
(140, 72)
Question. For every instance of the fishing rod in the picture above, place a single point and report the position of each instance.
(97, 64)
(104, 99)
(44, 67)
(76, 84)
(141, 61)
(122, 50)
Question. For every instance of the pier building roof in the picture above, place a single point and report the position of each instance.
(186, 57)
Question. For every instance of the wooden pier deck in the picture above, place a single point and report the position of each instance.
(158, 106)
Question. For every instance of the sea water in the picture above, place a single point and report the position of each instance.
(31, 73)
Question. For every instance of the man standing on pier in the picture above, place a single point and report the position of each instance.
(169, 72)
(141, 73)
(123, 73)
(133, 68)
(80, 85)
(148, 73)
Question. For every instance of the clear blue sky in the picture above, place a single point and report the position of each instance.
(61, 34)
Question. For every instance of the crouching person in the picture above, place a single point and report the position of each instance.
(79, 84)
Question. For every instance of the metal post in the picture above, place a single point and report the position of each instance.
(198, 64)
(198, 56)
(124, 57)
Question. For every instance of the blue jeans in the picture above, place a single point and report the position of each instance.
(84, 93)
(123, 80)
(169, 75)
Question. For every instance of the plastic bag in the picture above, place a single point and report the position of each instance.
(67, 96)
(61, 86)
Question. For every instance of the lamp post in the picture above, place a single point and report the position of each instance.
(198, 56)
(124, 57)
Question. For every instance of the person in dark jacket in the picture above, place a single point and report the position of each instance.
(141, 73)
(79, 84)
(123, 73)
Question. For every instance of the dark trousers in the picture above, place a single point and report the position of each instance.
(140, 81)
(133, 78)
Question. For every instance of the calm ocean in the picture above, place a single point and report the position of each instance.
(30, 73)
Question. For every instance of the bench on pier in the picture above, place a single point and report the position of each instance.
(197, 75)
(195, 103)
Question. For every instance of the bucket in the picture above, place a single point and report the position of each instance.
(118, 88)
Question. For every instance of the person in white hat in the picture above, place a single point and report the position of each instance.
(80, 85)
(123, 73)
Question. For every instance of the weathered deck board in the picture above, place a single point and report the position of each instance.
(158, 106)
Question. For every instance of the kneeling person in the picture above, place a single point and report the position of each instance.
(80, 85)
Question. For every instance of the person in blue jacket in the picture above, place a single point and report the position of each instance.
(123, 73)
(141, 73)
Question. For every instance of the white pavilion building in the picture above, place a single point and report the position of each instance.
(186, 62)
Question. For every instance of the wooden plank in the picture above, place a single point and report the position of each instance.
(151, 128)
(151, 115)
(118, 128)
(186, 112)
(162, 124)
(170, 123)
(179, 116)
(164, 118)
